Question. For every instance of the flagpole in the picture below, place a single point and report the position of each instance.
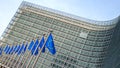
(20, 58)
(5, 57)
(3, 60)
(15, 63)
(27, 55)
(8, 58)
(39, 53)
(12, 58)
(24, 60)
(33, 54)
(1, 54)
(23, 54)
(17, 66)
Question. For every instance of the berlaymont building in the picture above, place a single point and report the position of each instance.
(79, 42)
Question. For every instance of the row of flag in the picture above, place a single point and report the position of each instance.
(33, 47)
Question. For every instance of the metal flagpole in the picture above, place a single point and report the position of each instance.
(17, 59)
(12, 58)
(17, 66)
(20, 58)
(27, 55)
(10, 62)
(1, 54)
(23, 56)
(8, 58)
(34, 52)
(4, 59)
(39, 53)
(24, 60)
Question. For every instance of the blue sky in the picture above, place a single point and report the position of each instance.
(100, 10)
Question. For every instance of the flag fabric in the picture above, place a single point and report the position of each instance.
(6, 47)
(1, 50)
(50, 44)
(31, 45)
(34, 50)
(41, 44)
(21, 49)
(25, 48)
(17, 48)
(11, 50)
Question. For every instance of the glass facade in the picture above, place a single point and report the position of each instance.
(77, 46)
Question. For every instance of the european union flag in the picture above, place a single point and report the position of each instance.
(1, 50)
(25, 47)
(34, 50)
(21, 49)
(5, 49)
(11, 50)
(50, 44)
(17, 48)
(13, 47)
(31, 45)
(41, 44)
(8, 49)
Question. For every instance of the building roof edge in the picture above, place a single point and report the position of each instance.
(89, 21)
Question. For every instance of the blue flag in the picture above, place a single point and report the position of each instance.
(5, 49)
(11, 50)
(25, 47)
(21, 49)
(31, 45)
(8, 49)
(34, 50)
(50, 44)
(17, 48)
(41, 44)
(1, 50)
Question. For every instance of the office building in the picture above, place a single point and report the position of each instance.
(80, 42)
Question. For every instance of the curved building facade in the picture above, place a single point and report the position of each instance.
(80, 42)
